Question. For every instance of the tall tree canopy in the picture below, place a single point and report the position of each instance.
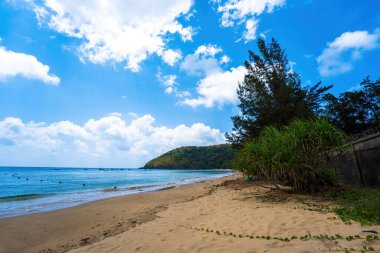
(355, 111)
(271, 94)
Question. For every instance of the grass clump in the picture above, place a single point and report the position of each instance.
(359, 204)
(295, 155)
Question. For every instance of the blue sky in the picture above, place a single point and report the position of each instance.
(115, 83)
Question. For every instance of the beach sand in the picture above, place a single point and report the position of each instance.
(176, 220)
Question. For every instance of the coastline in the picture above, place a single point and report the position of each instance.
(25, 190)
(220, 215)
(72, 227)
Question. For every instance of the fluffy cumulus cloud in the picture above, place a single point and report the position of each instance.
(247, 12)
(225, 59)
(111, 140)
(202, 61)
(121, 31)
(14, 64)
(218, 88)
(171, 56)
(339, 55)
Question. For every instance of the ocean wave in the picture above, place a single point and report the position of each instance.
(21, 197)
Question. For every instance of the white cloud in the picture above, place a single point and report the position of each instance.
(250, 29)
(116, 31)
(169, 82)
(208, 50)
(340, 54)
(292, 64)
(264, 34)
(171, 85)
(237, 12)
(14, 64)
(218, 88)
(202, 61)
(187, 33)
(133, 115)
(197, 66)
(190, 15)
(171, 56)
(110, 141)
(183, 94)
(355, 88)
(224, 59)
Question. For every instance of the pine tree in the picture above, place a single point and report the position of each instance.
(271, 94)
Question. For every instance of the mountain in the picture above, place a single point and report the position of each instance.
(192, 157)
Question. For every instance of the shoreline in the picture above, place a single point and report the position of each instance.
(72, 227)
(220, 215)
(13, 205)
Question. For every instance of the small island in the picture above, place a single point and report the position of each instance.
(193, 157)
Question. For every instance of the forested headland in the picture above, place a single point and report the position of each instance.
(192, 157)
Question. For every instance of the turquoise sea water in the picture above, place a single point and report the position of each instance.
(26, 190)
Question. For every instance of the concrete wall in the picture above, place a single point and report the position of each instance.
(359, 164)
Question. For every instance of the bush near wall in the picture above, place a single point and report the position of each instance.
(295, 155)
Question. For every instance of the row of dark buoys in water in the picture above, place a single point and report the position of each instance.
(109, 169)
(41, 180)
(60, 182)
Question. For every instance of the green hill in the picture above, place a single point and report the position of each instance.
(207, 157)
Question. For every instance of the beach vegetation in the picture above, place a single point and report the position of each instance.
(295, 155)
(272, 94)
(285, 131)
(350, 204)
(359, 204)
(308, 236)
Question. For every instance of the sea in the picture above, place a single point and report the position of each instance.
(25, 190)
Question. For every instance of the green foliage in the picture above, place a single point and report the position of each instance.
(271, 94)
(209, 157)
(355, 111)
(308, 236)
(295, 156)
(359, 204)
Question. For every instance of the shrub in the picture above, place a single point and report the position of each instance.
(295, 156)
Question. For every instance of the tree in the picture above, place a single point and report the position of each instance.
(355, 111)
(372, 91)
(271, 94)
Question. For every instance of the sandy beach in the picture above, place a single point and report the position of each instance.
(223, 215)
